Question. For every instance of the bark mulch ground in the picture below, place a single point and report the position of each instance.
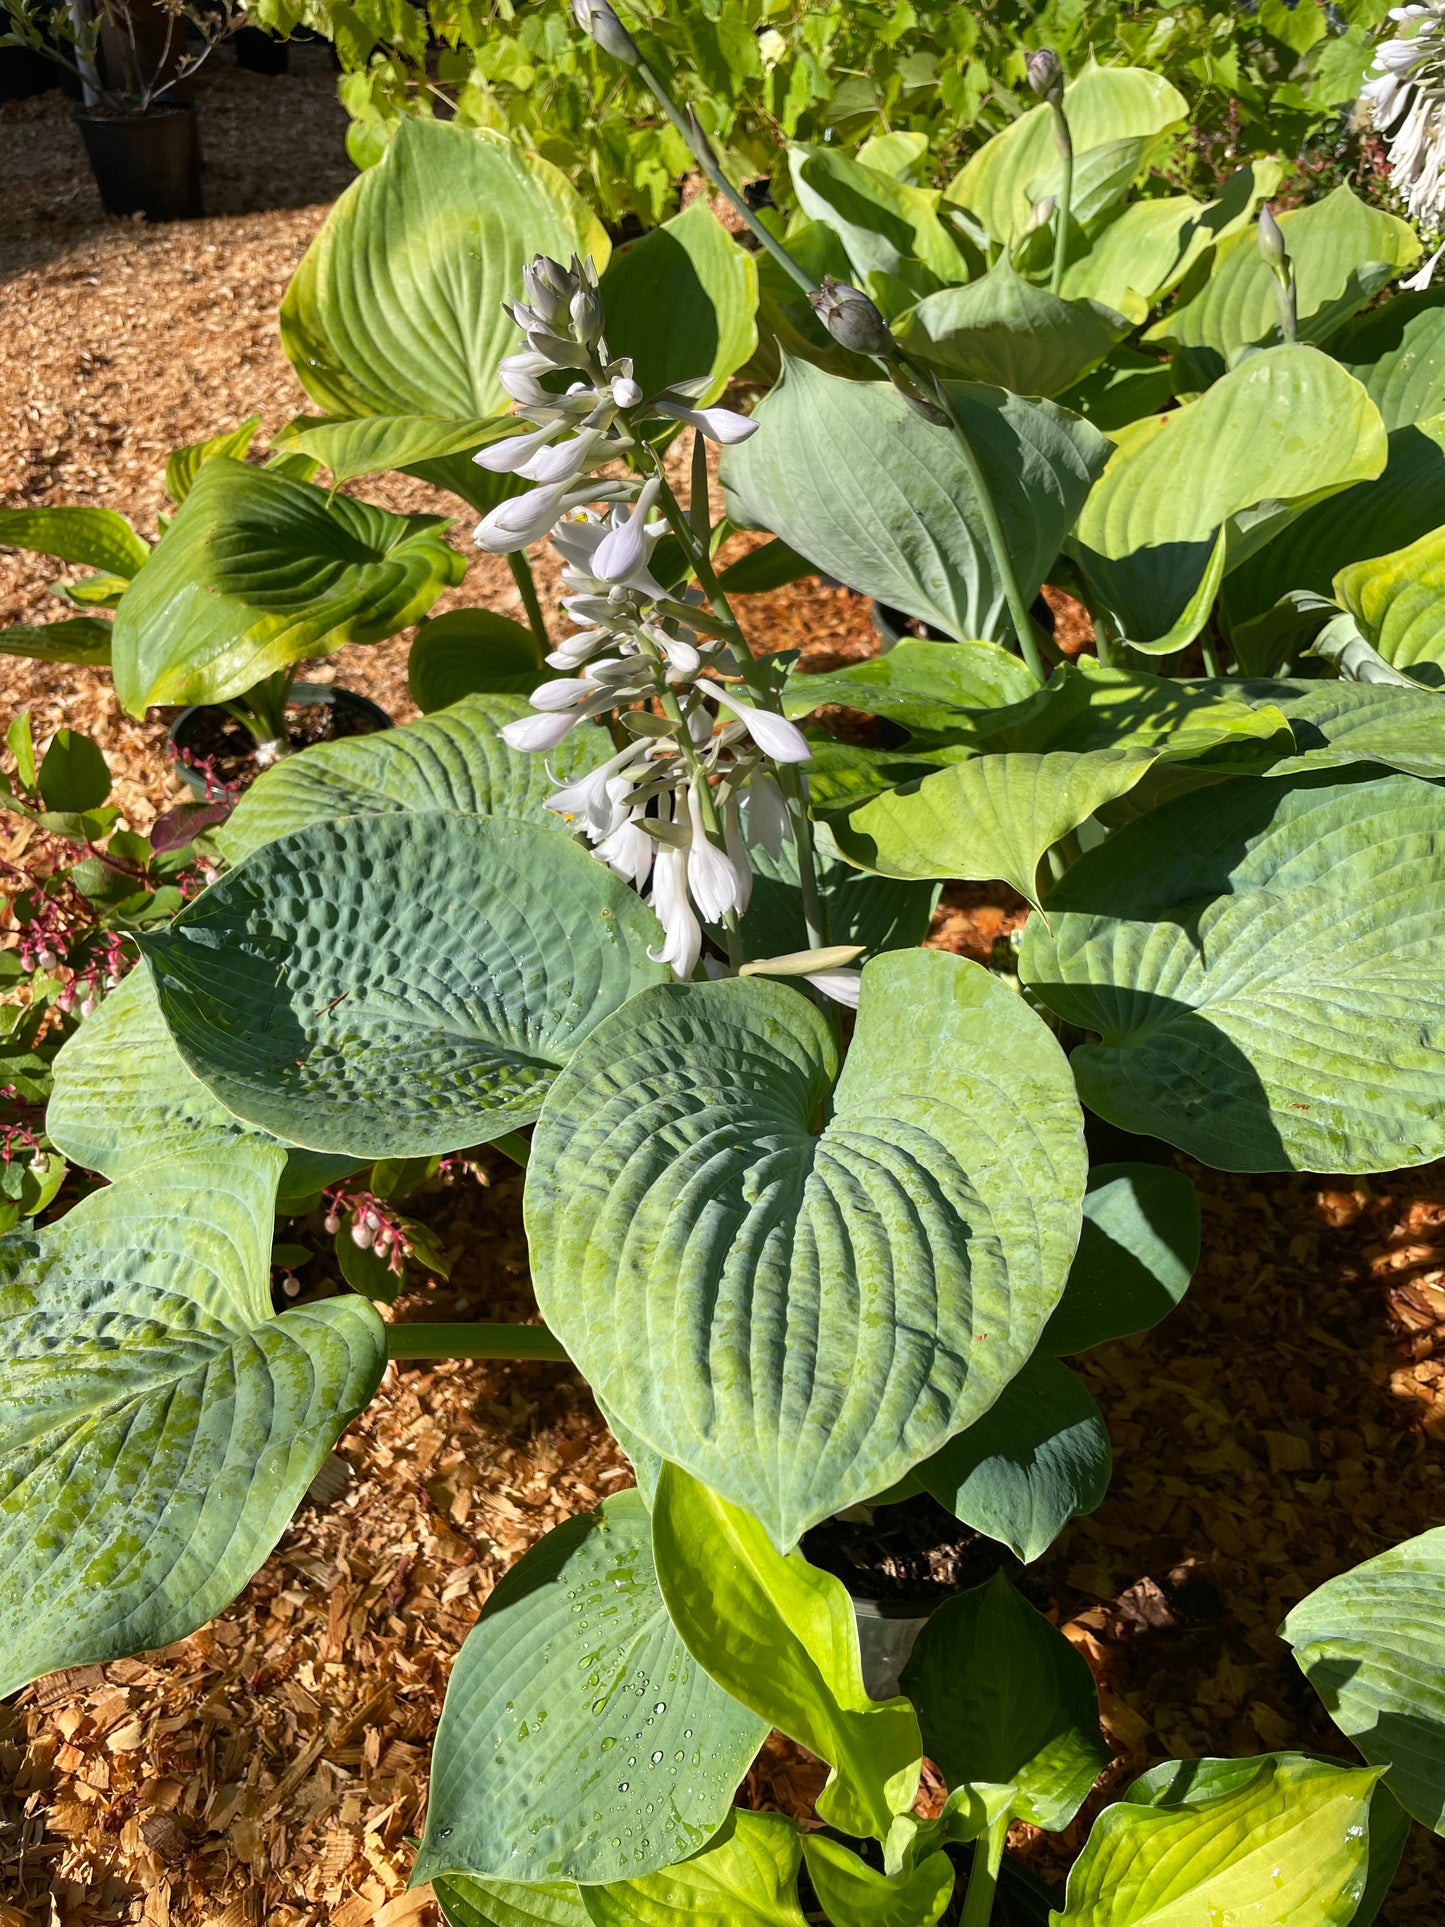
(1283, 1425)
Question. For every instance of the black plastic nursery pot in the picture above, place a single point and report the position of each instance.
(147, 163)
(197, 728)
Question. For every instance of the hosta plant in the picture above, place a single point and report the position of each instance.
(810, 1205)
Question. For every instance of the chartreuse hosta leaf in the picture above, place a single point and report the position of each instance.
(850, 477)
(843, 1271)
(1342, 251)
(400, 984)
(1005, 1701)
(257, 571)
(1005, 330)
(781, 1636)
(99, 538)
(580, 1739)
(886, 226)
(1198, 1782)
(466, 1902)
(183, 464)
(1399, 603)
(1398, 351)
(1288, 426)
(853, 1894)
(1337, 723)
(452, 760)
(1262, 976)
(1104, 104)
(747, 1877)
(158, 1423)
(1288, 1846)
(682, 301)
(1372, 1644)
(122, 1097)
(931, 688)
(396, 307)
(366, 444)
(470, 652)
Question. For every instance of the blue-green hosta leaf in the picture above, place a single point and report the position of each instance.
(396, 308)
(782, 1638)
(399, 984)
(682, 301)
(934, 688)
(1398, 351)
(853, 1894)
(1343, 251)
(1399, 602)
(470, 652)
(842, 1277)
(1199, 1781)
(1372, 1644)
(880, 913)
(258, 571)
(1262, 977)
(580, 1740)
(1004, 330)
(1337, 723)
(80, 639)
(123, 1096)
(884, 223)
(466, 1902)
(1005, 1701)
(100, 538)
(747, 1877)
(1137, 1253)
(1038, 1457)
(1104, 104)
(1288, 426)
(158, 1423)
(452, 760)
(850, 477)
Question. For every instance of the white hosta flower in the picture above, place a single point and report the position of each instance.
(768, 827)
(624, 549)
(722, 425)
(523, 519)
(736, 845)
(711, 876)
(681, 930)
(843, 986)
(1422, 277)
(506, 457)
(564, 459)
(598, 797)
(1406, 100)
(629, 851)
(538, 732)
(774, 735)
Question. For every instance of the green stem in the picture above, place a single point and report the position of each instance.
(1064, 141)
(1210, 653)
(472, 1341)
(983, 1880)
(1288, 299)
(526, 582)
(513, 1145)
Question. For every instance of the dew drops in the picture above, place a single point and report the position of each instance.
(622, 1785)
(657, 1759)
(661, 1707)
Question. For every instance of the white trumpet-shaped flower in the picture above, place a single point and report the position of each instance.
(774, 735)
(1406, 100)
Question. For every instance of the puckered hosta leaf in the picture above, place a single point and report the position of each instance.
(122, 1097)
(1342, 250)
(1372, 1644)
(466, 1902)
(1263, 975)
(682, 301)
(81, 639)
(396, 308)
(1398, 352)
(842, 1278)
(1288, 1846)
(782, 1637)
(258, 571)
(1287, 426)
(1006, 1701)
(1137, 1252)
(853, 1894)
(747, 1877)
(580, 1739)
(883, 223)
(933, 688)
(1103, 104)
(1039, 1456)
(158, 1423)
(1004, 330)
(400, 984)
(1399, 603)
(100, 538)
(454, 759)
(850, 477)
(1337, 723)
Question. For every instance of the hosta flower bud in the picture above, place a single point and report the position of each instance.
(1042, 214)
(1271, 239)
(1046, 76)
(597, 18)
(851, 318)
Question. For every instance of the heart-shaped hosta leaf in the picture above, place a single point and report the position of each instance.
(397, 985)
(257, 571)
(1039, 1456)
(1287, 1847)
(1263, 975)
(158, 1423)
(1399, 602)
(510, 1903)
(1337, 723)
(682, 301)
(931, 688)
(1372, 1644)
(850, 477)
(122, 1096)
(840, 1279)
(1005, 330)
(1398, 352)
(747, 1877)
(396, 308)
(1286, 426)
(886, 226)
(452, 760)
(1137, 1252)
(580, 1739)
(472, 652)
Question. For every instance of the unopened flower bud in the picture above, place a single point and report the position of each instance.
(851, 318)
(87, 1008)
(1046, 76)
(1271, 239)
(362, 1235)
(46, 958)
(332, 1223)
(1043, 213)
(597, 18)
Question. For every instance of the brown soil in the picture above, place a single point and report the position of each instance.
(222, 751)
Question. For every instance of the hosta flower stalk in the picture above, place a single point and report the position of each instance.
(1406, 100)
